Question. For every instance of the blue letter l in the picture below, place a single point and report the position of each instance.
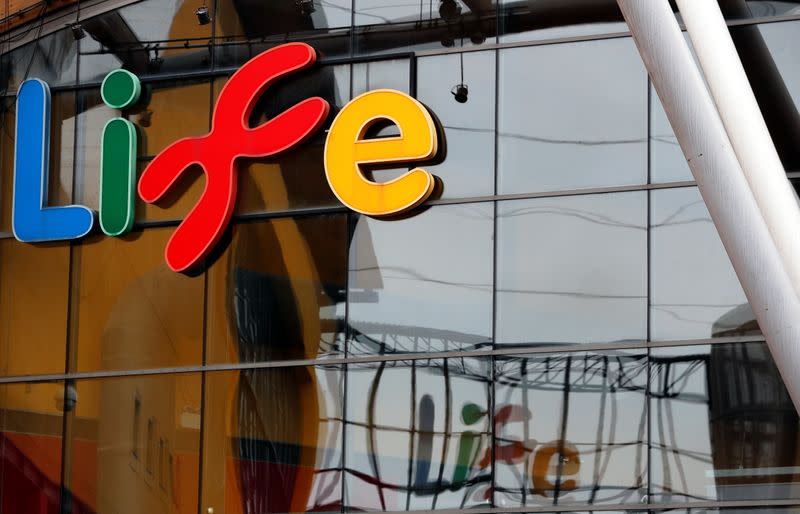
(32, 220)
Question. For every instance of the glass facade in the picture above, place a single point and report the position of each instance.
(559, 329)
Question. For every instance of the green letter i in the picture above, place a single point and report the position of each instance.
(120, 89)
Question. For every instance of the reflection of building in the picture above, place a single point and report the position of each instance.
(559, 329)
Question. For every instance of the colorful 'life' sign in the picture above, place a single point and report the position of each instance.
(348, 154)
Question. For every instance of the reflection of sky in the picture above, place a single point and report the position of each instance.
(692, 281)
(572, 115)
(572, 269)
(436, 269)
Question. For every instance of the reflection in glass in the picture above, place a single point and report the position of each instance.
(468, 169)
(52, 58)
(33, 307)
(296, 178)
(278, 291)
(417, 435)
(245, 28)
(521, 20)
(109, 469)
(423, 283)
(388, 26)
(130, 311)
(571, 428)
(388, 74)
(31, 423)
(694, 291)
(667, 163)
(572, 269)
(723, 426)
(147, 38)
(273, 441)
(556, 133)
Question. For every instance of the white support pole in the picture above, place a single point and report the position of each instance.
(722, 184)
(746, 128)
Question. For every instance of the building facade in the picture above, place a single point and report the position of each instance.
(558, 328)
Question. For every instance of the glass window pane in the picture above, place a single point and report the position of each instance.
(417, 435)
(147, 38)
(768, 55)
(109, 470)
(33, 307)
(723, 425)
(694, 291)
(130, 311)
(411, 289)
(571, 428)
(278, 290)
(572, 269)
(273, 441)
(388, 74)
(556, 133)
(31, 427)
(468, 168)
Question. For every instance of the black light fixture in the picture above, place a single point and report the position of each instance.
(449, 10)
(155, 62)
(203, 18)
(306, 7)
(460, 93)
(77, 31)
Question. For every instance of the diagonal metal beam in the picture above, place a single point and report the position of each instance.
(721, 181)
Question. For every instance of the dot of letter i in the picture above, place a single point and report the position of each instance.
(120, 90)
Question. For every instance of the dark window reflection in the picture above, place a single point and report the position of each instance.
(103, 475)
(129, 310)
(245, 28)
(148, 38)
(694, 291)
(555, 132)
(273, 440)
(423, 283)
(53, 58)
(571, 428)
(384, 26)
(31, 422)
(572, 269)
(522, 20)
(769, 57)
(417, 435)
(723, 426)
(468, 169)
(278, 291)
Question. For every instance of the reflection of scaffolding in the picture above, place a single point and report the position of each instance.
(751, 439)
(380, 338)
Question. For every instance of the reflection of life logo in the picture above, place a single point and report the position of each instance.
(348, 154)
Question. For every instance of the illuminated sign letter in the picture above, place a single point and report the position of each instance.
(347, 150)
(120, 90)
(32, 221)
(231, 138)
